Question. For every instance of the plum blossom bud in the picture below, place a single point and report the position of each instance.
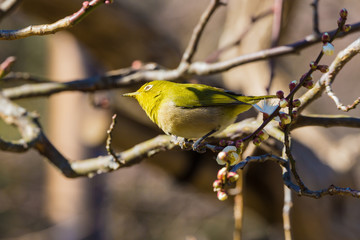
(309, 84)
(239, 144)
(217, 185)
(292, 85)
(222, 195)
(325, 37)
(283, 103)
(280, 94)
(263, 135)
(295, 113)
(232, 177)
(296, 103)
(346, 28)
(313, 65)
(222, 142)
(284, 118)
(257, 141)
(343, 13)
(323, 68)
(230, 143)
(328, 49)
(221, 175)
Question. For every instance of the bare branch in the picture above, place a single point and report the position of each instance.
(326, 121)
(331, 190)
(328, 78)
(23, 120)
(65, 23)
(198, 30)
(129, 157)
(128, 76)
(315, 5)
(213, 57)
(109, 138)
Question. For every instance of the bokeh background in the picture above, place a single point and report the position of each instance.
(169, 196)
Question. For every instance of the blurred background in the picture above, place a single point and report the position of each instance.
(170, 195)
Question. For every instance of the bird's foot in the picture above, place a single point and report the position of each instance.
(198, 146)
(182, 142)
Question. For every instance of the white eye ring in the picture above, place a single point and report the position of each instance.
(148, 87)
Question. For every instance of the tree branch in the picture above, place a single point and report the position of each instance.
(326, 121)
(127, 77)
(45, 29)
(328, 78)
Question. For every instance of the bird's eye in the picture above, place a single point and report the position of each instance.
(148, 87)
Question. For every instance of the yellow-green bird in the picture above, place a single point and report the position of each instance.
(191, 111)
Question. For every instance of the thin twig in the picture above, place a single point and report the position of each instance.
(315, 5)
(275, 35)
(45, 29)
(213, 57)
(109, 148)
(25, 122)
(328, 78)
(198, 30)
(331, 190)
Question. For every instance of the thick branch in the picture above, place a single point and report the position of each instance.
(25, 122)
(326, 121)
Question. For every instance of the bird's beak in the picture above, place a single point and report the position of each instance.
(133, 94)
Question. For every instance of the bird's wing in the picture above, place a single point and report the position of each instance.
(199, 96)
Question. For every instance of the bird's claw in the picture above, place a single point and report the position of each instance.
(182, 143)
(198, 147)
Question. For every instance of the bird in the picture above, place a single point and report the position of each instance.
(191, 111)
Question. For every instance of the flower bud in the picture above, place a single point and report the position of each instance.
(292, 85)
(221, 175)
(222, 195)
(230, 143)
(296, 103)
(221, 158)
(285, 118)
(283, 103)
(309, 84)
(263, 135)
(343, 13)
(239, 144)
(257, 141)
(217, 185)
(295, 113)
(323, 68)
(325, 37)
(232, 177)
(280, 94)
(222, 142)
(313, 65)
(328, 49)
(346, 28)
